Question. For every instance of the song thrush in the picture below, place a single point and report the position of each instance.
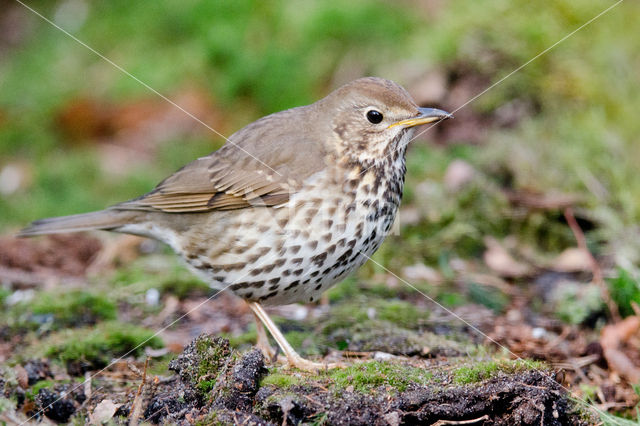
(289, 206)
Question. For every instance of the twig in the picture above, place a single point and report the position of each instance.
(136, 408)
(461, 422)
(595, 267)
(87, 385)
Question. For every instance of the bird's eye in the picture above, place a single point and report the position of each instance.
(374, 116)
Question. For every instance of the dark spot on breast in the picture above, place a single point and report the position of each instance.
(294, 249)
(350, 208)
(281, 262)
(345, 256)
(292, 285)
(312, 244)
(319, 259)
(229, 266)
(297, 261)
(298, 272)
(269, 296)
(274, 280)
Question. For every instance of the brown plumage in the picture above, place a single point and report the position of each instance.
(290, 205)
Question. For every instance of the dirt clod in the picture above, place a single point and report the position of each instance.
(37, 370)
(61, 403)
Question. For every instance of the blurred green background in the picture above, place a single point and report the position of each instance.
(77, 134)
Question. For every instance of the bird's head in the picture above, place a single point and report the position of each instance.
(371, 117)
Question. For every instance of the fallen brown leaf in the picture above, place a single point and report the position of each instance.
(500, 260)
(103, 412)
(612, 338)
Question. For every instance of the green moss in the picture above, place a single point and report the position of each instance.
(97, 346)
(210, 419)
(32, 392)
(247, 338)
(575, 302)
(6, 405)
(211, 356)
(4, 293)
(363, 310)
(624, 289)
(369, 375)
(281, 380)
(401, 313)
(163, 272)
(490, 297)
(487, 369)
(74, 308)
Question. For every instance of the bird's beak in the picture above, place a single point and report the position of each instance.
(426, 116)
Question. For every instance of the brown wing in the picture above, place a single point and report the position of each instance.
(261, 165)
(203, 186)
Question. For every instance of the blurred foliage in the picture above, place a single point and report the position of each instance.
(577, 134)
(625, 291)
(259, 57)
(92, 348)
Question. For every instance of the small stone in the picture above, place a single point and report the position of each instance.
(152, 297)
(538, 333)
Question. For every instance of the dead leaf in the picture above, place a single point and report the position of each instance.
(22, 376)
(103, 412)
(572, 259)
(422, 272)
(612, 338)
(500, 260)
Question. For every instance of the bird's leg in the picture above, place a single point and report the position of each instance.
(263, 342)
(293, 359)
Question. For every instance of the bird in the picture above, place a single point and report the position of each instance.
(290, 204)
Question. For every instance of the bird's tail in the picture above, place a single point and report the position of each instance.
(108, 219)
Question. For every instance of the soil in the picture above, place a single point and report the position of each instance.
(215, 384)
